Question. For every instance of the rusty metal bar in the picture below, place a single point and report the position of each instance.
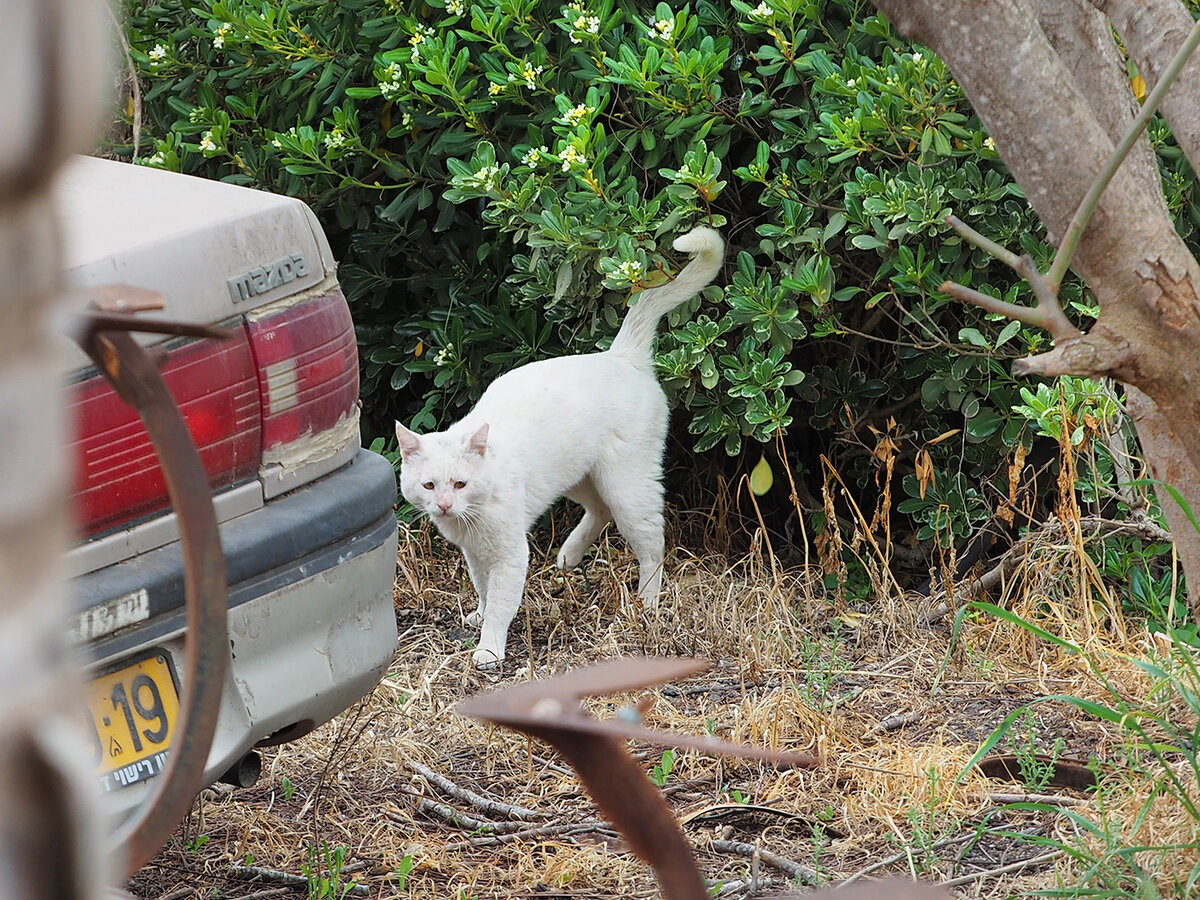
(136, 379)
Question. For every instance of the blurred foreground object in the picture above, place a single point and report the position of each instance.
(54, 77)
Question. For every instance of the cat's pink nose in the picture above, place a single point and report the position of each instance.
(444, 505)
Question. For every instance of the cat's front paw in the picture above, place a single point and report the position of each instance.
(486, 660)
(569, 557)
(475, 619)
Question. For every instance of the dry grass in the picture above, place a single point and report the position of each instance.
(793, 669)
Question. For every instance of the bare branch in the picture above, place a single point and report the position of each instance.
(1094, 355)
(1030, 315)
(972, 236)
(1047, 315)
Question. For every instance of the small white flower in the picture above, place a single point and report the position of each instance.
(422, 34)
(575, 115)
(207, 144)
(336, 139)
(442, 356)
(583, 23)
(630, 270)
(852, 83)
(495, 89)
(916, 57)
(531, 73)
(390, 86)
(157, 54)
(762, 11)
(989, 143)
(488, 178)
(665, 28)
(570, 157)
(221, 33)
(275, 143)
(455, 7)
(534, 155)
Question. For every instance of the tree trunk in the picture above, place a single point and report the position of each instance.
(1048, 83)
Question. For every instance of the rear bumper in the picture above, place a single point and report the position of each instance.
(312, 626)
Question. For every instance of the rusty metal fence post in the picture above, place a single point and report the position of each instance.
(53, 79)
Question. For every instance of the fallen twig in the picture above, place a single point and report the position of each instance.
(591, 827)
(907, 854)
(1003, 870)
(789, 866)
(275, 876)
(897, 721)
(1004, 799)
(484, 804)
(261, 895)
(461, 819)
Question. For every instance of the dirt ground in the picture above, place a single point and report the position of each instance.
(417, 801)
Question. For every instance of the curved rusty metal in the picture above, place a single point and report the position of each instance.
(549, 710)
(136, 379)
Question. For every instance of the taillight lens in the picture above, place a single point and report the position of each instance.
(118, 478)
(288, 375)
(307, 365)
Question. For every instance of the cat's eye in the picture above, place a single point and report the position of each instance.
(459, 485)
(428, 485)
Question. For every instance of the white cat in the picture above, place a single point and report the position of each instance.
(588, 427)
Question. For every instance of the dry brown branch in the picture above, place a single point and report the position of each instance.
(275, 876)
(1002, 798)
(593, 826)
(1004, 870)
(461, 819)
(792, 868)
(1139, 525)
(263, 894)
(485, 805)
(907, 855)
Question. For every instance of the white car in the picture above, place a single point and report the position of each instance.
(306, 515)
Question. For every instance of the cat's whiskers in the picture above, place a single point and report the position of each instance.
(472, 520)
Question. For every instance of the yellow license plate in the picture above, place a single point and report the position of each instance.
(132, 713)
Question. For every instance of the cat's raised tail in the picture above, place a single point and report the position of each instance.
(635, 340)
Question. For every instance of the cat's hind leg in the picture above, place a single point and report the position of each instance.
(634, 494)
(505, 585)
(596, 515)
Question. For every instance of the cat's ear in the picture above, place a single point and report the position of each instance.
(477, 443)
(410, 442)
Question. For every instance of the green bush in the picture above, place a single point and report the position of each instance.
(497, 178)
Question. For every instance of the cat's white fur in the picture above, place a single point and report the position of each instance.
(588, 427)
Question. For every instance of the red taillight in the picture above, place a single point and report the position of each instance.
(307, 364)
(289, 374)
(119, 479)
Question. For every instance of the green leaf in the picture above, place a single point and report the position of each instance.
(761, 477)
